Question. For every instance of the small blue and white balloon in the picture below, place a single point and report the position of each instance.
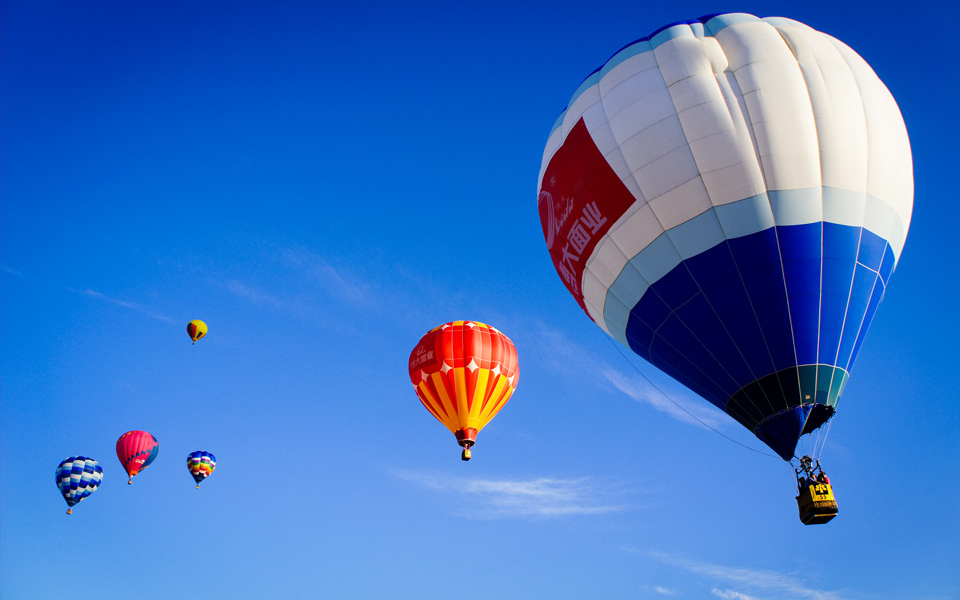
(77, 478)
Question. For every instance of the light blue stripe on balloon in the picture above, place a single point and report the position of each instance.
(656, 260)
(697, 235)
(843, 207)
(879, 217)
(616, 315)
(558, 122)
(589, 82)
(745, 217)
(797, 207)
(634, 49)
(721, 22)
(896, 232)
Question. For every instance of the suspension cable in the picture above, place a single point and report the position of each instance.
(822, 437)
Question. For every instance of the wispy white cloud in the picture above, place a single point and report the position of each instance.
(255, 295)
(301, 305)
(542, 497)
(337, 280)
(567, 354)
(99, 296)
(730, 595)
(90, 293)
(124, 303)
(665, 591)
(641, 391)
(785, 586)
(305, 286)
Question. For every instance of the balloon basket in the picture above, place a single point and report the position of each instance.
(817, 504)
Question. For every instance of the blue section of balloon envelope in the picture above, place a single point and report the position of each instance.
(762, 303)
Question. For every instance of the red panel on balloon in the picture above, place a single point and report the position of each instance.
(580, 200)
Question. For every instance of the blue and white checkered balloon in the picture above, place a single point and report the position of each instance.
(77, 478)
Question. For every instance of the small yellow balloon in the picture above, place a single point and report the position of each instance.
(196, 329)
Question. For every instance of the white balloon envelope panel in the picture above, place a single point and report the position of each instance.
(728, 197)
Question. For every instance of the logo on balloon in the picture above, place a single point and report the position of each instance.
(554, 223)
(546, 200)
(420, 356)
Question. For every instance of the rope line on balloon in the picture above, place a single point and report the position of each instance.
(822, 438)
(692, 416)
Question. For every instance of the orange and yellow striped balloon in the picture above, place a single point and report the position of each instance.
(463, 373)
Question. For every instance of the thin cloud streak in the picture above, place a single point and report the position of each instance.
(542, 497)
(730, 595)
(301, 306)
(124, 303)
(97, 295)
(567, 353)
(316, 284)
(644, 393)
(305, 306)
(780, 585)
(256, 295)
(664, 591)
(339, 282)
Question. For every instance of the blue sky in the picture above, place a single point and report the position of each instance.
(322, 186)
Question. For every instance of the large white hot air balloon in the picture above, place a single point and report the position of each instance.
(728, 197)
